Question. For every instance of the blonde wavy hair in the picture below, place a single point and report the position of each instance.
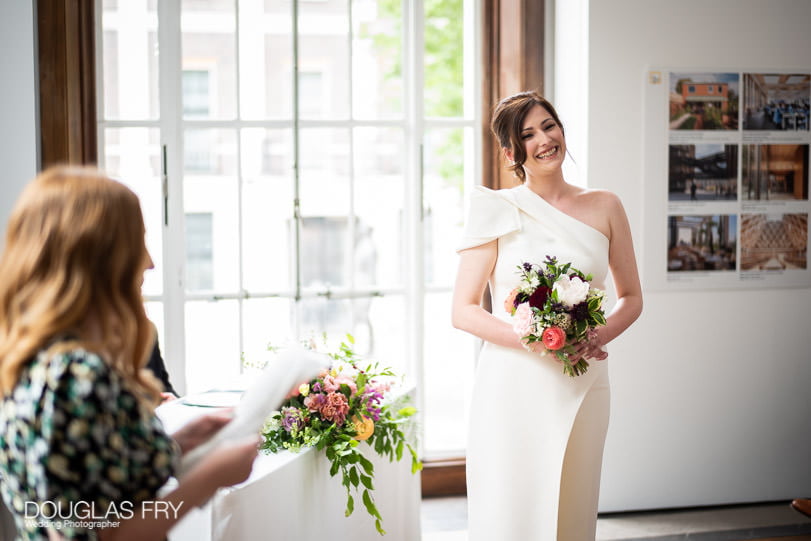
(72, 268)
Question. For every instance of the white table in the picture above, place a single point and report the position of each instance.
(291, 497)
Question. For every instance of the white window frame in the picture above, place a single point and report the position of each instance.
(414, 124)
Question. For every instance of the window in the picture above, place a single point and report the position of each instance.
(199, 257)
(327, 202)
(196, 94)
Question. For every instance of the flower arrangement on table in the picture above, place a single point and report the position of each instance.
(345, 405)
(556, 306)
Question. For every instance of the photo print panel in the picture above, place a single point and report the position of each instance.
(774, 242)
(775, 172)
(776, 101)
(704, 101)
(702, 243)
(703, 172)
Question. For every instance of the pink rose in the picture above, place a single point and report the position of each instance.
(329, 383)
(335, 409)
(349, 382)
(553, 338)
(315, 401)
(522, 319)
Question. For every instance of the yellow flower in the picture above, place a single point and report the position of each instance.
(304, 389)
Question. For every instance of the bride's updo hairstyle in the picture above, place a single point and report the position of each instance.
(508, 120)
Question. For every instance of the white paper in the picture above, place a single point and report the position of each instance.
(290, 367)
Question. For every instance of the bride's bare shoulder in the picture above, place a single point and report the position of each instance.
(601, 198)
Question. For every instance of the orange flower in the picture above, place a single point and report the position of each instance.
(364, 426)
(553, 338)
(509, 302)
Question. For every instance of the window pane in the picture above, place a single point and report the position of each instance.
(448, 361)
(266, 322)
(209, 58)
(212, 338)
(211, 196)
(324, 60)
(444, 181)
(376, 323)
(130, 60)
(386, 328)
(325, 198)
(377, 67)
(132, 155)
(379, 198)
(444, 58)
(199, 252)
(267, 209)
(266, 59)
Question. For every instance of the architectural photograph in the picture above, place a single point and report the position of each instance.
(774, 242)
(774, 172)
(776, 101)
(704, 101)
(703, 172)
(702, 243)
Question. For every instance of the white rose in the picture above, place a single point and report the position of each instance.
(571, 291)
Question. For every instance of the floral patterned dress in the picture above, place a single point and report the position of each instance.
(77, 449)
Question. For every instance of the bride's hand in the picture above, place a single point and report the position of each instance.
(200, 430)
(534, 347)
(592, 348)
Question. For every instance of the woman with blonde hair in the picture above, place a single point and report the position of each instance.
(81, 450)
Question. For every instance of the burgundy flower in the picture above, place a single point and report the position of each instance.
(539, 296)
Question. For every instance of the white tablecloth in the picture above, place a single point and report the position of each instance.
(291, 497)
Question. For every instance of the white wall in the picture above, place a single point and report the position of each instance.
(18, 129)
(711, 389)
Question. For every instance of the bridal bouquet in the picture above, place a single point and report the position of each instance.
(556, 305)
(345, 405)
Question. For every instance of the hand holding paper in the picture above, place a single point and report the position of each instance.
(290, 367)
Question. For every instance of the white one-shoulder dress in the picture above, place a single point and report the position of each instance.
(536, 435)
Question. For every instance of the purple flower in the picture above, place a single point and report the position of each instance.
(371, 400)
(580, 312)
(292, 419)
(316, 387)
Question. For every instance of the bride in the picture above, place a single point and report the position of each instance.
(536, 436)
